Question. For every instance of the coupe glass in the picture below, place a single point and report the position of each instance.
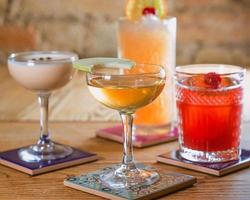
(42, 72)
(126, 90)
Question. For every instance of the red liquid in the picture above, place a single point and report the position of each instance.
(210, 120)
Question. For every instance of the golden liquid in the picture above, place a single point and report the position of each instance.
(126, 93)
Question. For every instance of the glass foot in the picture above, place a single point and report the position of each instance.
(209, 157)
(127, 178)
(44, 152)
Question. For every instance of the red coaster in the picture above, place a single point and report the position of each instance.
(140, 140)
(217, 169)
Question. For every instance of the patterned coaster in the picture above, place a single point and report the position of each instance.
(168, 183)
(140, 140)
(11, 159)
(217, 169)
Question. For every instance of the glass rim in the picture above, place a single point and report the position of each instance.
(13, 57)
(240, 72)
(161, 68)
(125, 18)
(239, 69)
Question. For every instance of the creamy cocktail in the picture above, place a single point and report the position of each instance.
(42, 72)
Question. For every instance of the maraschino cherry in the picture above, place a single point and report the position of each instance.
(148, 11)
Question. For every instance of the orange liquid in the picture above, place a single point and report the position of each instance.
(144, 44)
(122, 94)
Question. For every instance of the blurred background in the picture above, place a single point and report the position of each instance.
(209, 31)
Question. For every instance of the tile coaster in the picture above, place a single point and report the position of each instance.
(140, 141)
(169, 182)
(11, 159)
(217, 169)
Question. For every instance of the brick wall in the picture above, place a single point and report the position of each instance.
(209, 31)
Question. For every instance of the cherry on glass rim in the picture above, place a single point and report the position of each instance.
(148, 10)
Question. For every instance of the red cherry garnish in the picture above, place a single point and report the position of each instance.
(212, 79)
(148, 11)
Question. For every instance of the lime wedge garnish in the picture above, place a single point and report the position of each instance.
(88, 64)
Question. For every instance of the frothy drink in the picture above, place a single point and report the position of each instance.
(42, 71)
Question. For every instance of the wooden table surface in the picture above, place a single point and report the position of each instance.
(69, 108)
(16, 185)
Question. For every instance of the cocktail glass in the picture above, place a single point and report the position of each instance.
(126, 90)
(42, 72)
(151, 40)
(209, 104)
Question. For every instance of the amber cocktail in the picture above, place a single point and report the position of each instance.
(126, 90)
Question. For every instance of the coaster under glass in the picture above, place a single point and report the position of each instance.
(12, 159)
(92, 183)
(217, 169)
(139, 140)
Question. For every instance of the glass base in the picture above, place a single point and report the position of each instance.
(123, 177)
(44, 152)
(209, 157)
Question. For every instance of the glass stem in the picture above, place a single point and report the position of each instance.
(128, 158)
(43, 99)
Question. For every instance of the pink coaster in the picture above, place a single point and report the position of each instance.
(116, 134)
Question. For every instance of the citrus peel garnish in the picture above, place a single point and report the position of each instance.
(134, 8)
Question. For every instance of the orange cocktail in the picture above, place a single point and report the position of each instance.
(125, 88)
(147, 38)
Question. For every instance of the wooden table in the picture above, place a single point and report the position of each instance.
(16, 185)
(68, 108)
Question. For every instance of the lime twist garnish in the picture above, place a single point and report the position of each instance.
(88, 64)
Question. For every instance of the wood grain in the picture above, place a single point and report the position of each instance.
(16, 185)
(71, 104)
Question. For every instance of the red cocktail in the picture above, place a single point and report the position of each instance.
(209, 104)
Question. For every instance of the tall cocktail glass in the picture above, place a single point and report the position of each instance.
(42, 72)
(127, 90)
(209, 104)
(151, 40)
